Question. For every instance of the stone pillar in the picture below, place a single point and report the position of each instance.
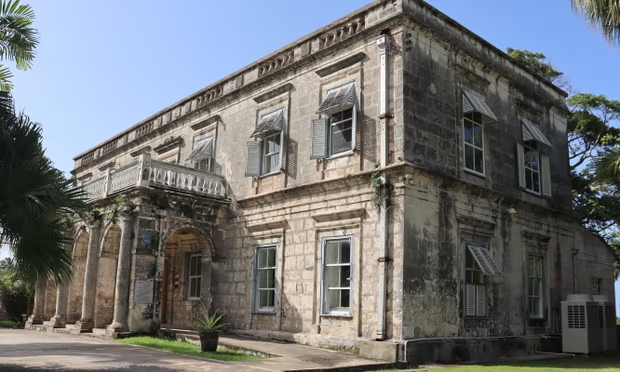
(90, 280)
(123, 276)
(59, 320)
(39, 302)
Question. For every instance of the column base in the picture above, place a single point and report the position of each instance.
(57, 321)
(33, 320)
(82, 326)
(117, 327)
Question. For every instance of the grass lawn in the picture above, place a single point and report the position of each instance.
(578, 364)
(187, 349)
(7, 324)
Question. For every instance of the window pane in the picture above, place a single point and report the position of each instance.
(331, 253)
(341, 137)
(469, 260)
(263, 299)
(271, 298)
(528, 179)
(198, 266)
(273, 144)
(478, 136)
(536, 181)
(263, 278)
(469, 276)
(479, 161)
(333, 298)
(271, 257)
(469, 157)
(333, 276)
(468, 132)
(345, 274)
(192, 266)
(345, 252)
(197, 292)
(478, 277)
(271, 278)
(344, 298)
(262, 258)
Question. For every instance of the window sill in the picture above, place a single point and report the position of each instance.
(192, 299)
(340, 155)
(474, 173)
(337, 315)
(270, 174)
(471, 317)
(263, 312)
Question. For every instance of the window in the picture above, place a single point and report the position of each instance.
(535, 287)
(335, 132)
(597, 284)
(478, 264)
(476, 114)
(473, 140)
(337, 276)
(534, 162)
(265, 279)
(202, 154)
(264, 154)
(194, 276)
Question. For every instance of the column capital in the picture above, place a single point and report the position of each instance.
(127, 215)
(94, 222)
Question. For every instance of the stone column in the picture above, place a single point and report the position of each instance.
(90, 280)
(39, 302)
(59, 320)
(123, 276)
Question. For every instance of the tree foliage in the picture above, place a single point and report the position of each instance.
(18, 40)
(602, 15)
(16, 291)
(594, 154)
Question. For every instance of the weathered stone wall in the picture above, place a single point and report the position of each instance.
(106, 276)
(76, 288)
(441, 216)
(50, 299)
(434, 74)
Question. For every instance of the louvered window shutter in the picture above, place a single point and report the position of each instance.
(545, 174)
(254, 153)
(282, 148)
(481, 300)
(354, 129)
(470, 299)
(521, 164)
(318, 148)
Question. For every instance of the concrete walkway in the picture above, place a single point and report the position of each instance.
(22, 350)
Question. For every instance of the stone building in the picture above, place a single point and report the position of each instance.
(386, 182)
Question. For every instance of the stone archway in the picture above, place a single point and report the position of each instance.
(186, 276)
(76, 289)
(106, 277)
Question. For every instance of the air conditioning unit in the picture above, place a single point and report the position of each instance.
(607, 315)
(581, 325)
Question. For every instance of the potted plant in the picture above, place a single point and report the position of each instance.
(209, 329)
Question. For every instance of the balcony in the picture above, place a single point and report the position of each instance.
(144, 172)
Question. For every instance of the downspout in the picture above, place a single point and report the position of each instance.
(383, 42)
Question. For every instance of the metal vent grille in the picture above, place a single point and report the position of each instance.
(576, 316)
(601, 316)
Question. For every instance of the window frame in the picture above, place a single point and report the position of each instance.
(256, 308)
(599, 283)
(532, 147)
(325, 311)
(331, 123)
(190, 257)
(264, 153)
(541, 286)
(466, 144)
(477, 284)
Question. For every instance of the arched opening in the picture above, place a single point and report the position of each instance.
(76, 289)
(106, 277)
(186, 279)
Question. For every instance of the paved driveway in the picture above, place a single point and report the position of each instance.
(27, 351)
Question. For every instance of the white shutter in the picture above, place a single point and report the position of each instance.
(252, 167)
(545, 174)
(470, 300)
(481, 300)
(318, 149)
(282, 147)
(521, 165)
(354, 129)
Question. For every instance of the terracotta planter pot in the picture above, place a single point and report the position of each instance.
(209, 340)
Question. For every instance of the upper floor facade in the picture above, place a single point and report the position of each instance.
(313, 111)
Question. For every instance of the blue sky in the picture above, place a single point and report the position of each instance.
(102, 66)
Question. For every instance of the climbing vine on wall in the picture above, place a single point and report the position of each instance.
(381, 192)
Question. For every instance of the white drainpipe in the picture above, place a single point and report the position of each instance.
(383, 42)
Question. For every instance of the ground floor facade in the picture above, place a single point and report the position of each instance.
(320, 265)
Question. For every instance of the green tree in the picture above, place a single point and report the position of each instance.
(594, 153)
(16, 292)
(602, 15)
(18, 40)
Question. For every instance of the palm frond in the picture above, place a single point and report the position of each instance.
(602, 15)
(18, 40)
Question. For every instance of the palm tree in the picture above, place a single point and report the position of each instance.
(18, 40)
(603, 15)
(36, 199)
